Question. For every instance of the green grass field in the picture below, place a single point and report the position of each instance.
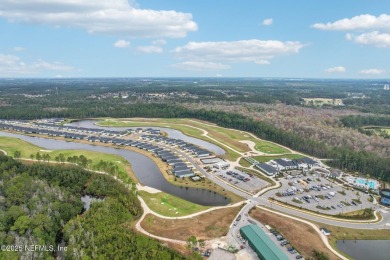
(269, 158)
(10, 145)
(244, 162)
(169, 205)
(378, 129)
(226, 136)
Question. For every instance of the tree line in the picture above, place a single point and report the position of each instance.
(356, 121)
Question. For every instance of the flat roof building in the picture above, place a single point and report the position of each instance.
(266, 168)
(260, 242)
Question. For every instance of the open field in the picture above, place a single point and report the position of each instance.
(10, 145)
(209, 225)
(223, 135)
(269, 158)
(378, 129)
(170, 206)
(322, 101)
(244, 162)
(301, 236)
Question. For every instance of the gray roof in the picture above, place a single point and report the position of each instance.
(266, 168)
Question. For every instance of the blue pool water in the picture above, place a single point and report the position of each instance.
(370, 183)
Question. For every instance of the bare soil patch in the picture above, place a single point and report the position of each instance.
(209, 225)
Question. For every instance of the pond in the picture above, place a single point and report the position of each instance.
(144, 168)
(365, 249)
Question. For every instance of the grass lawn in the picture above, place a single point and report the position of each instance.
(341, 233)
(226, 136)
(10, 145)
(269, 158)
(169, 205)
(244, 162)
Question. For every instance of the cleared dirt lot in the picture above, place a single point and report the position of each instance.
(301, 236)
(206, 226)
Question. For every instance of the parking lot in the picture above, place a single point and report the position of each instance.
(284, 244)
(320, 194)
(242, 180)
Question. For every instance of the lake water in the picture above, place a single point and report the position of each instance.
(365, 249)
(172, 133)
(144, 168)
(87, 200)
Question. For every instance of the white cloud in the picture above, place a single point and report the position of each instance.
(11, 65)
(377, 39)
(339, 69)
(112, 17)
(150, 49)
(200, 66)
(262, 62)
(122, 44)
(159, 42)
(256, 51)
(361, 22)
(18, 49)
(268, 22)
(372, 72)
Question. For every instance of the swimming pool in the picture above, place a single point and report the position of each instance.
(372, 184)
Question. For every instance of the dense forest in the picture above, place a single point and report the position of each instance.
(41, 205)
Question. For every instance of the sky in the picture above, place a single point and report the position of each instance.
(195, 38)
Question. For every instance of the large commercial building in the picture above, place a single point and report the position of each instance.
(261, 243)
(385, 197)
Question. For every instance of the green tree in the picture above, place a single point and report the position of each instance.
(17, 154)
(22, 224)
(38, 156)
(191, 242)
